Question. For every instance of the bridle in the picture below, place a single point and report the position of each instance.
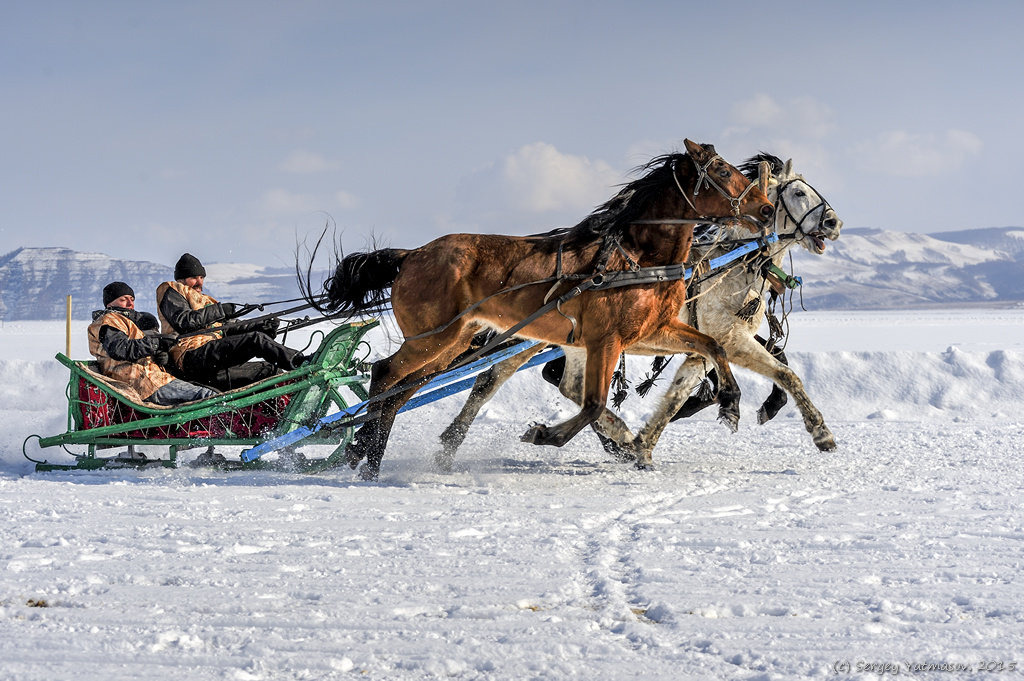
(821, 208)
(705, 178)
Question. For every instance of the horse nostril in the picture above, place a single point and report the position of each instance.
(767, 211)
(830, 223)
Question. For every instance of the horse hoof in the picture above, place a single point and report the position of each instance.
(623, 456)
(620, 453)
(536, 435)
(644, 463)
(369, 473)
(444, 461)
(824, 440)
(763, 417)
(731, 420)
(353, 456)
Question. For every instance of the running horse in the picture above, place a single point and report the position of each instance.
(729, 306)
(458, 285)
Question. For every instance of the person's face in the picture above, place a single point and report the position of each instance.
(126, 301)
(194, 282)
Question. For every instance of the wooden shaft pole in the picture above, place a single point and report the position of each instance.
(68, 329)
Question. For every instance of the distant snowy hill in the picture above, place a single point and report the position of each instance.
(864, 269)
(35, 282)
(874, 268)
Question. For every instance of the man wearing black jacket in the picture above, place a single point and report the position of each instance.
(129, 348)
(209, 351)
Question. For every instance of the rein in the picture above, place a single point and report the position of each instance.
(249, 307)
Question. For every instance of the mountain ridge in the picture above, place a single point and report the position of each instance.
(866, 268)
(35, 282)
(870, 268)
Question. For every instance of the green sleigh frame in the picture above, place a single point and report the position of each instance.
(100, 417)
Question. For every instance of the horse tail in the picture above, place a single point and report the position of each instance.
(360, 282)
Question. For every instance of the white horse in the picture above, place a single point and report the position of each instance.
(728, 307)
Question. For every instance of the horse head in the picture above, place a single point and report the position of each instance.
(802, 213)
(720, 189)
(680, 188)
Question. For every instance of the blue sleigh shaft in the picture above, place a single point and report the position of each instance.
(448, 383)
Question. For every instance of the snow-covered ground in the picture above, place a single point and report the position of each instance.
(744, 556)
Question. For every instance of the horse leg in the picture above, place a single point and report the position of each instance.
(600, 365)
(371, 439)
(677, 338)
(771, 406)
(377, 441)
(777, 399)
(413, 361)
(367, 437)
(486, 385)
(749, 354)
(687, 376)
(700, 401)
(612, 432)
(615, 436)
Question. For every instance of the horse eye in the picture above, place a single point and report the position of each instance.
(801, 193)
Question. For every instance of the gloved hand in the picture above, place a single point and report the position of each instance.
(167, 341)
(146, 322)
(269, 326)
(161, 358)
(228, 309)
(236, 310)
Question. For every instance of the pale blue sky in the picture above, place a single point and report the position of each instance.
(231, 129)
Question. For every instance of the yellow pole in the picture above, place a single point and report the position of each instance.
(68, 328)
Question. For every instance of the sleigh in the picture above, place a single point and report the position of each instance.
(318, 403)
(104, 414)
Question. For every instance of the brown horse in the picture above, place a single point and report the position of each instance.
(447, 291)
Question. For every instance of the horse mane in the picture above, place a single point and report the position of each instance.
(614, 216)
(750, 166)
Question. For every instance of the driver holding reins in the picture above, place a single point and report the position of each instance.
(209, 351)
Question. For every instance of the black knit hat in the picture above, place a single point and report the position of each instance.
(187, 266)
(115, 290)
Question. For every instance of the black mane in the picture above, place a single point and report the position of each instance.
(614, 217)
(750, 166)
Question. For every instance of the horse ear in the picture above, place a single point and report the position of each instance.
(697, 151)
(788, 170)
